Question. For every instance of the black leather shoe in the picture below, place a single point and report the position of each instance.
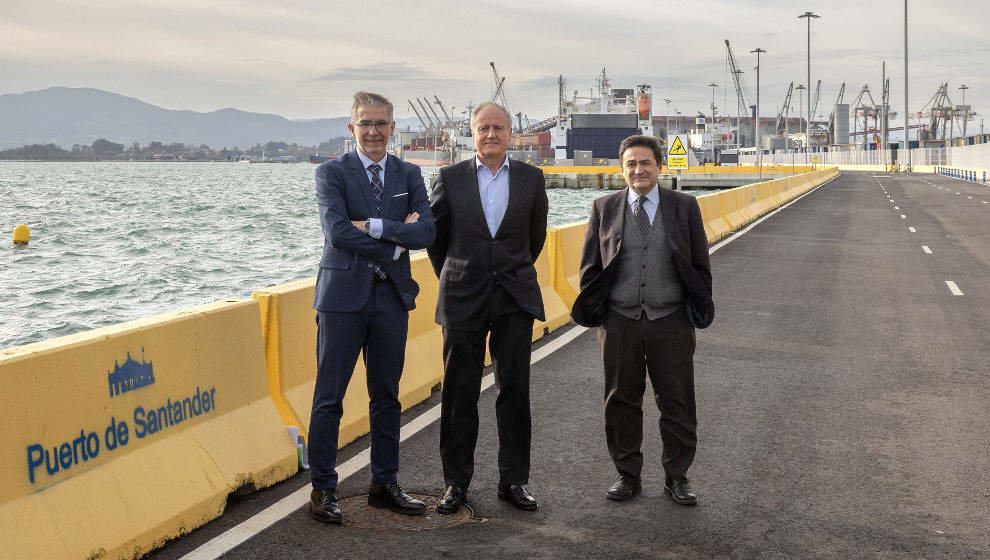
(393, 498)
(452, 500)
(518, 496)
(680, 491)
(624, 488)
(323, 506)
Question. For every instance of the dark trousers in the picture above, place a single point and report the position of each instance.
(379, 329)
(463, 359)
(664, 349)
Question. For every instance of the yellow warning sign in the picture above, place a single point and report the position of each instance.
(677, 156)
(814, 159)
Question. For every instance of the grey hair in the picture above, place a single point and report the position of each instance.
(485, 105)
(366, 99)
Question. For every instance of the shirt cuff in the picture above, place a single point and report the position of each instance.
(398, 251)
(375, 227)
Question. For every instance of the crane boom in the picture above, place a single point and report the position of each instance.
(443, 110)
(426, 128)
(427, 115)
(814, 103)
(784, 109)
(736, 78)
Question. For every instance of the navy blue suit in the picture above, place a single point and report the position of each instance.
(356, 310)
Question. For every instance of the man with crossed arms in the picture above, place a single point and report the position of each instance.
(373, 207)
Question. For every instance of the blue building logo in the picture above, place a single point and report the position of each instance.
(129, 376)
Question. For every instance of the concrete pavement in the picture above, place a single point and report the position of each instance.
(843, 407)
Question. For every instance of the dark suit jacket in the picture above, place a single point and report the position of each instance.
(603, 240)
(469, 261)
(343, 193)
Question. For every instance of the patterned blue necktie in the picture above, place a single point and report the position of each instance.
(376, 189)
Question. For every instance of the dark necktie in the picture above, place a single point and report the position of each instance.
(642, 220)
(376, 190)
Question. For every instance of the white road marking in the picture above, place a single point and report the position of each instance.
(953, 288)
(958, 193)
(926, 249)
(234, 536)
(903, 217)
(896, 208)
(983, 201)
(912, 230)
(969, 197)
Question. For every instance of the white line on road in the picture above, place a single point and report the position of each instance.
(958, 193)
(903, 217)
(953, 288)
(926, 249)
(912, 230)
(969, 197)
(896, 208)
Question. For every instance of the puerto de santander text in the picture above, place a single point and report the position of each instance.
(87, 446)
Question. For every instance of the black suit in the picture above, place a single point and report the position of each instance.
(662, 348)
(487, 285)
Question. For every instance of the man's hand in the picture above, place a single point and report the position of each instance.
(359, 224)
(412, 218)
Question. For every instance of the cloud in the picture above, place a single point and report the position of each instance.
(102, 60)
(381, 72)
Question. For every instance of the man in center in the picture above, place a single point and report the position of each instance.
(491, 219)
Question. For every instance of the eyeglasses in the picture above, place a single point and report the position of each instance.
(366, 126)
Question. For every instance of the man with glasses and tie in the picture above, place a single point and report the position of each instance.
(646, 283)
(373, 209)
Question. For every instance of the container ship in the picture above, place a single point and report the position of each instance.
(587, 129)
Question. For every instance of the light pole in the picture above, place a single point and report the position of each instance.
(907, 144)
(800, 89)
(807, 134)
(711, 130)
(738, 116)
(756, 121)
(667, 118)
(964, 87)
(677, 120)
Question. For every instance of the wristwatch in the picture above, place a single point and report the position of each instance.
(367, 225)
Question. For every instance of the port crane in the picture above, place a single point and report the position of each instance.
(742, 106)
(940, 113)
(426, 128)
(784, 109)
(501, 97)
(814, 103)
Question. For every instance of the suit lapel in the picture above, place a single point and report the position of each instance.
(516, 183)
(614, 215)
(470, 181)
(667, 214)
(362, 179)
(392, 181)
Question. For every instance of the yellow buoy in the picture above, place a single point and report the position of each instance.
(22, 234)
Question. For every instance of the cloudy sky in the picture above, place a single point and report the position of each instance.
(305, 59)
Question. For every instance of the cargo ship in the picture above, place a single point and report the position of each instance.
(320, 159)
(587, 130)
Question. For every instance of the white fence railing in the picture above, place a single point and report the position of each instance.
(976, 156)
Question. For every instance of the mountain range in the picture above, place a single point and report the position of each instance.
(66, 116)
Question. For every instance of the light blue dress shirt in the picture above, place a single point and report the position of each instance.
(494, 191)
(650, 206)
(375, 224)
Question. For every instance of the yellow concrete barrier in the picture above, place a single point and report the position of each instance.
(558, 313)
(711, 212)
(566, 243)
(120, 438)
(290, 347)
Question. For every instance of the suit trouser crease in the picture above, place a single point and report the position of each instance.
(464, 355)
(379, 331)
(663, 350)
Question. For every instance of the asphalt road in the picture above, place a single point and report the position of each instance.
(843, 407)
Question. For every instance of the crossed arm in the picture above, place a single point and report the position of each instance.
(415, 232)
